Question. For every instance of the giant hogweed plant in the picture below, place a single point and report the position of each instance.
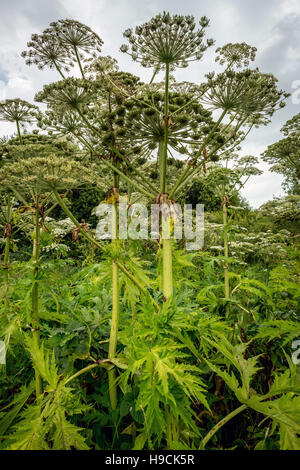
(121, 122)
(37, 177)
(21, 113)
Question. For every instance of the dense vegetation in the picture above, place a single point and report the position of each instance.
(141, 344)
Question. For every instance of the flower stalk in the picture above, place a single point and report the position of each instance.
(35, 292)
(115, 316)
(226, 254)
(7, 258)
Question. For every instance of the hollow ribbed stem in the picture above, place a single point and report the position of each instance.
(167, 262)
(226, 254)
(35, 294)
(167, 266)
(6, 259)
(115, 308)
(6, 272)
(166, 242)
(19, 131)
(163, 172)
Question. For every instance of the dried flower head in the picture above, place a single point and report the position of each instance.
(167, 39)
(75, 35)
(46, 51)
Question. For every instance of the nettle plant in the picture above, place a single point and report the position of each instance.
(129, 135)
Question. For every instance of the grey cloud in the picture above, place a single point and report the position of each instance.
(271, 25)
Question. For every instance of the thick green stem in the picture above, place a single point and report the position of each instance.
(6, 258)
(115, 312)
(167, 267)
(226, 254)
(163, 169)
(167, 273)
(221, 423)
(6, 272)
(19, 132)
(35, 294)
(79, 62)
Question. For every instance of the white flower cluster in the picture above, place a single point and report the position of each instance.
(60, 228)
(56, 247)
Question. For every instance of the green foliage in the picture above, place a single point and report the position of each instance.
(44, 425)
(135, 344)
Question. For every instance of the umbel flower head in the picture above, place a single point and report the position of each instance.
(292, 125)
(95, 68)
(37, 145)
(40, 174)
(187, 127)
(284, 155)
(71, 93)
(245, 166)
(75, 35)
(46, 51)
(224, 180)
(167, 39)
(17, 110)
(61, 122)
(238, 55)
(249, 94)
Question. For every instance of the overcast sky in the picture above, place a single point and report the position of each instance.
(273, 26)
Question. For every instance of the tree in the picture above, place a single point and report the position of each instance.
(284, 156)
